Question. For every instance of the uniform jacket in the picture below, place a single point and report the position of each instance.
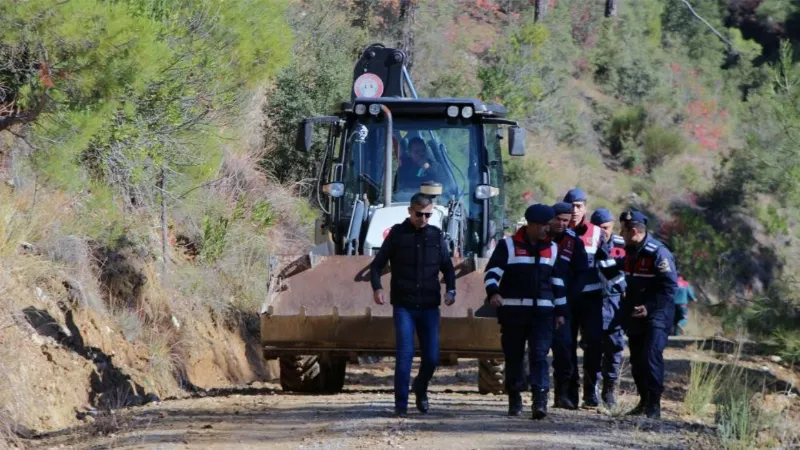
(572, 251)
(416, 258)
(530, 279)
(652, 282)
(593, 241)
(613, 275)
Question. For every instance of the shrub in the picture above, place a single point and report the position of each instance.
(661, 143)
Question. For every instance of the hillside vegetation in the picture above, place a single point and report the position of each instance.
(148, 170)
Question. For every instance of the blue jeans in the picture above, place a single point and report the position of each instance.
(426, 324)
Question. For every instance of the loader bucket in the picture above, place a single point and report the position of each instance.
(324, 305)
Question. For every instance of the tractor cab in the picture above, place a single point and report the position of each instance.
(384, 146)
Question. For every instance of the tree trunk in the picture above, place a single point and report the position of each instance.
(540, 10)
(408, 17)
(611, 8)
(163, 188)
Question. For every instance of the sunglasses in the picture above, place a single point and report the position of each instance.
(421, 214)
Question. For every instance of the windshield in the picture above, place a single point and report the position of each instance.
(424, 150)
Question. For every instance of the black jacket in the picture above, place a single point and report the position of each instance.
(416, 258)
(531, 280)
(652, 281)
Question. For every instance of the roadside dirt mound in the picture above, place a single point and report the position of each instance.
(61, 362)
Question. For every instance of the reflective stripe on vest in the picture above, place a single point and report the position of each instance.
(513, 259)
(543, 302)
(595, 242)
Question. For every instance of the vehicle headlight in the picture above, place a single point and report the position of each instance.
(466, 112)
(361, 109)
(452, 111)
(374, 109)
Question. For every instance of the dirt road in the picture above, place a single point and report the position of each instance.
(361, 417)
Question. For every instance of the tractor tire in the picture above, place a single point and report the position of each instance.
(309, 374)
(491, 376)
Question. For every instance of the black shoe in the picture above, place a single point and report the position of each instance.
(514, 404)
(422, 398)
(653, 408)
(399, 412)
(609, 394)
(539, 404)
(572, 392)
(639, 409)
(562, 400)
(590, 395)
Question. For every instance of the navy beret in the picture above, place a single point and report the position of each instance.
(562, 208)
(575, 195)
(539, 213)
(601, 216)
(633, 216)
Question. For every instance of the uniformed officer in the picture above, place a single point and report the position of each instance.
(586, 306)
(524, 280)
(572, 251)
(647, 309)
(613, 337)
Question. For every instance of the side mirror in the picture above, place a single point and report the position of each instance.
(516, 141)
(305, 133)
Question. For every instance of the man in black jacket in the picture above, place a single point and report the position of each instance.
(417, 253)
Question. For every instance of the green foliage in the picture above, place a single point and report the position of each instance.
(215, 233)
(262, 214)
(135, 86)
(738, 419)
(628, 60)
(704, 385)
(527, 73)
(317, 81)
(526, 183)
(661, 143)
(770, 217)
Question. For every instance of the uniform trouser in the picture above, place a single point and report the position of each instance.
(681, 319)
(538, 334)
(562, 352)
(647, 361)
(426, 324)
(587, 319)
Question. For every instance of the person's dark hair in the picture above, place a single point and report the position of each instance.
(638, 226)
(416, 140)
(421, 200)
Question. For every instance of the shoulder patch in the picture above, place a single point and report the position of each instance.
(663, 265)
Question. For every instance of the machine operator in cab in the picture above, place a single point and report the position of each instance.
(418, 166)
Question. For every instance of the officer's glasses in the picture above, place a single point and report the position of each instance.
(423, 214)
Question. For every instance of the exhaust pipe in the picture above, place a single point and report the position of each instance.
(387, 178)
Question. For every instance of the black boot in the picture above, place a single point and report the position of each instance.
(640, 408)
(572, 392)
(590, 394)
(609, 394)
(422, 397)
(514, 404)
(539, 403)
(653, 408)
(562, 400)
